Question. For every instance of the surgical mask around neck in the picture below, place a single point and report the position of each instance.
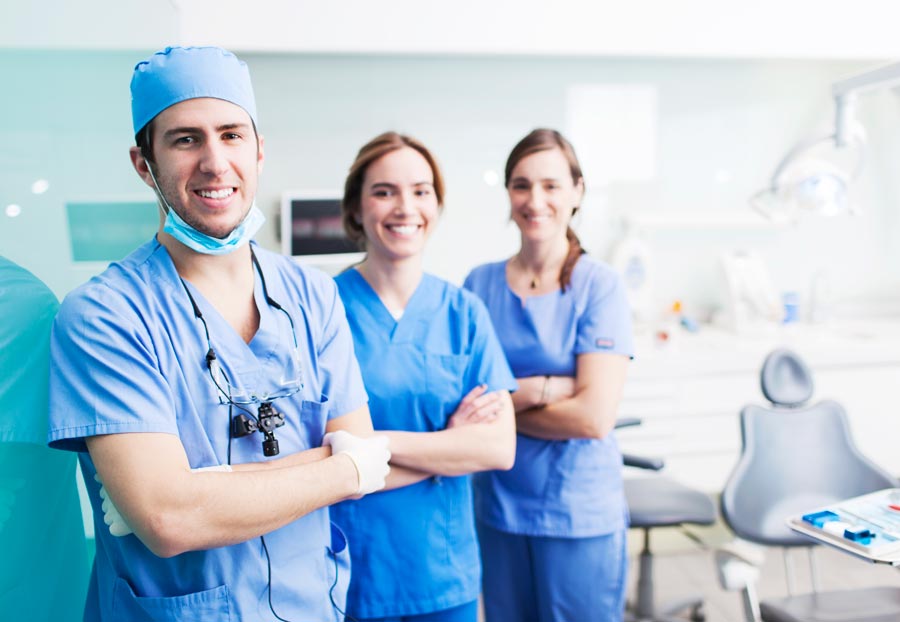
(200, 242)
(207, 244)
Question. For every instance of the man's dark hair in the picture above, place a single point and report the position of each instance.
(143, 139)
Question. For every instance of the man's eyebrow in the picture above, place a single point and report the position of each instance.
(233, 126)
(195, 130)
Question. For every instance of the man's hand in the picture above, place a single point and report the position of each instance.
(118, 526)
(370, 456)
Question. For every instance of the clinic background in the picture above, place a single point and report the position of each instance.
(714, 99)
(733, 87)
(723, 125)
(722, 122)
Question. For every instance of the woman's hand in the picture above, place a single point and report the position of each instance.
(477, 406)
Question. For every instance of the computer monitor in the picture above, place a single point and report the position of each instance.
(101, 231)
(311, 229)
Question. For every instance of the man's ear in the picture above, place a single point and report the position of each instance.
(260, 154)
(140, 165)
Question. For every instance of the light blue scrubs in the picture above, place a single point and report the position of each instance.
(129, 356)
(557, 489)
(44, 565)
(414, 549)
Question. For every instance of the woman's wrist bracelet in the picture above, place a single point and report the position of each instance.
(545, 392)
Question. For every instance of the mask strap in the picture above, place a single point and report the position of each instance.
(164, 206)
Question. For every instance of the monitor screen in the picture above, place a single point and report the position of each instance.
(311, 229)
(105, 231)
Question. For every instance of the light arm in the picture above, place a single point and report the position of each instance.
(173, 510)
(591, 411)
(536, 391)
(461, 449)
(301, 457)
(360, 424)
(397, 478)
(357, 422)
(401, 476)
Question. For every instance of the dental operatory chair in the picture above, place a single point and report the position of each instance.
(795, 457)
(659, 501)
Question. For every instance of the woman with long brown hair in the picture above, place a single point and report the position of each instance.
(438, 388)
(553, 528)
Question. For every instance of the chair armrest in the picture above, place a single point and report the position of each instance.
(631, 460)
(651, 464)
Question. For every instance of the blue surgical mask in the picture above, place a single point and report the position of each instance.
(207, 244)
(201, 242)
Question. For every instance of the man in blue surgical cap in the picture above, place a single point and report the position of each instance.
(208, 384)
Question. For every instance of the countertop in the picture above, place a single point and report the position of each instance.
(714, 350)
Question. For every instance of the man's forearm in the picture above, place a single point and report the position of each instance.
(173, 510)
(296, 459)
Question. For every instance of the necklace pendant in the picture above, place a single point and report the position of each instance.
(534, 283)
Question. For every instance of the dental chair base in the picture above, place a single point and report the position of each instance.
(663, 502)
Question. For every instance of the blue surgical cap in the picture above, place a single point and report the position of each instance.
(176, 74)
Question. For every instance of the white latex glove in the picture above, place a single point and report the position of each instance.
(118, 526)
(370, 456)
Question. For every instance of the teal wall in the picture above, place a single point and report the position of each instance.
(65, 117)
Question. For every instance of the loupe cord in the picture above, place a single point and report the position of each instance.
(211, 355)
(347, 618)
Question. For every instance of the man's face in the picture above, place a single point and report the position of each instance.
(207, 162)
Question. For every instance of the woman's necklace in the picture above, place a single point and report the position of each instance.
(532, 278)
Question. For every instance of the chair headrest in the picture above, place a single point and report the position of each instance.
(785, 379)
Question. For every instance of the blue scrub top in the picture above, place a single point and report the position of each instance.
(129, 356)
(414, 549)
(44, 566)
(569, 488)
(27, 309)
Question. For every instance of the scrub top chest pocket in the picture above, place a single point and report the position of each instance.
(445, 376)
(212, 604)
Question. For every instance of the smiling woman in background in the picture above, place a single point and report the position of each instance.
(423, 346)
(553, 528)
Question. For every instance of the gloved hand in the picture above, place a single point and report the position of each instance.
(370, 456)
(118, 526)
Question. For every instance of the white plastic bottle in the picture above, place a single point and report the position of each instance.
(632, 258)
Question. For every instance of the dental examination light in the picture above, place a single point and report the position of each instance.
(815, 176)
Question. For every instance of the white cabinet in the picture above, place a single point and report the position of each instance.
(690, 396)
